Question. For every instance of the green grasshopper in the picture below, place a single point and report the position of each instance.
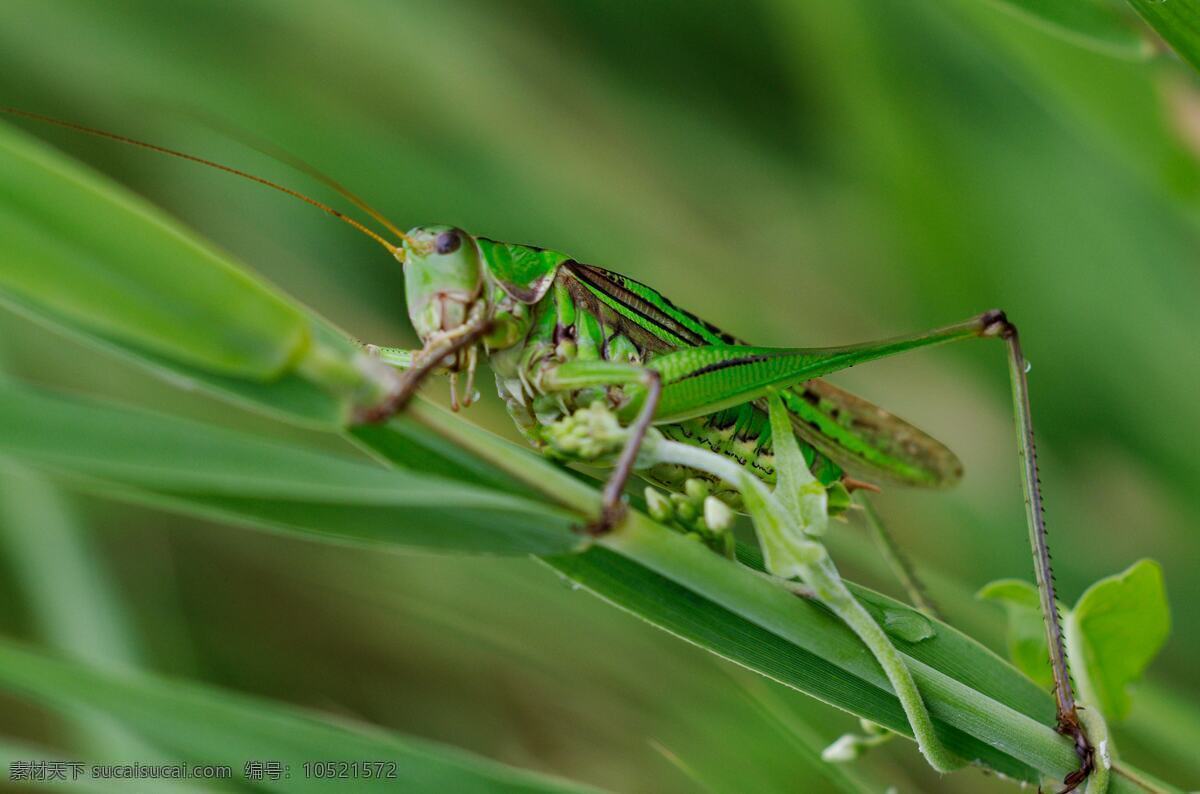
(561, 335)
(568, 342)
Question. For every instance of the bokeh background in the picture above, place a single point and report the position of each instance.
(800, 173)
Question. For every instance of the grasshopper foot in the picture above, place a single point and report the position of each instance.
(610, 516)
(395, 403)
(1083, 750)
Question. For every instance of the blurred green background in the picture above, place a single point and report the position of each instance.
(800, 174)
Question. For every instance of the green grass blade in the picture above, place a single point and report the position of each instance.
(82, 615)
(289, 397)
(1177, 21)
(827, 665)
(81, 247)
(84, 255)
(203, 724)
(158, 460)
(1089, 23)
(194, 468)
(983, 707)
(70, 597)
(13, 751)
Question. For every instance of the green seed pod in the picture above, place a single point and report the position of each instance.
(658, 505)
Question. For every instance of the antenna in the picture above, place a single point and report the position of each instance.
(271, 149)
(393, 249)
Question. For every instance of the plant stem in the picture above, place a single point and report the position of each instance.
(823, 577)
(810, 560)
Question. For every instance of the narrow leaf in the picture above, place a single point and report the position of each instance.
(81, 247)
(203, 724)
(289, 396)
(16, 753)
(1089, 23)
(162, 461)
(829, 663)
(85, 256)
(68, 595)
(982, 707)
(1177, 21)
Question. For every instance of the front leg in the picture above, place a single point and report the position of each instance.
(612, 509)
(417, 366)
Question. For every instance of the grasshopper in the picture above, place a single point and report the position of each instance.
(569, 342)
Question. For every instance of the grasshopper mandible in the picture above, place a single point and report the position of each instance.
(564, 338)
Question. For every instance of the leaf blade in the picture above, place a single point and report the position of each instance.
(1177, 22)
(154, 459)
(1119, 625)
(205, 724)
(81, 247)
(1087, 23)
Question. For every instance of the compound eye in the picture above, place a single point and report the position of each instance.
(447, 242)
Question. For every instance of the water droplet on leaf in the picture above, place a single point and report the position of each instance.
(907, 625)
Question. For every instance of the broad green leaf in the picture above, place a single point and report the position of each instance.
(81, 247)
(1089, 23)
(1026, 631)
(1177, 21)
(154, 459)
(1116, 629)
(203, 724)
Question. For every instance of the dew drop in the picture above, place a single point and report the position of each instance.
(907, 625)
(1028, 366)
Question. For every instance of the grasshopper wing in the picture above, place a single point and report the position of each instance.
(866, 440)
(856, 434)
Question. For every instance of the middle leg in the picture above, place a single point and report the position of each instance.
(585, 374)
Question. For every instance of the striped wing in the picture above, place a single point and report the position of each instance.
(855, 433)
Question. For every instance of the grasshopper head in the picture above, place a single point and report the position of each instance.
(443, 279)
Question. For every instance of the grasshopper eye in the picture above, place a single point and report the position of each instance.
(447, 242)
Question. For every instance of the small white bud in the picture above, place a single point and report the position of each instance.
(658, 505)
(696, 489)
(844, 749)
(717, 515)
